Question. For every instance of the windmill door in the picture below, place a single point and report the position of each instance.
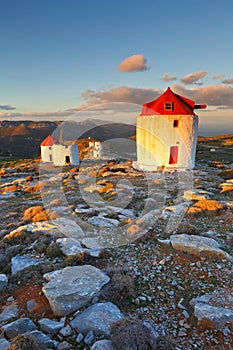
(173, 155)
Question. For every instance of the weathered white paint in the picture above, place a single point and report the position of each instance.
(57, 154)
(46, 154)
(60, 152)
(156, 134)
(95, 149)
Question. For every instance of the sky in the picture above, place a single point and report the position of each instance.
(60, 57)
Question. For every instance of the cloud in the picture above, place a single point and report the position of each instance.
(7, 107)
(213, 95)
(228, 81)
(193, 78)
(220, 76)
(134, 63)
(168, 77)
(125, 94)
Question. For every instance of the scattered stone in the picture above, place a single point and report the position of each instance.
(73, 287)
(50, 326)
(31, 305)
(102, 345)
(66, 331)
(98, 318)
(3, 281)
(42, 339)
(20, 326)
(70, 246)
(64, 346)
(9, 313)
(4, 344)
(103, 222)
(79, 338)
(89, 338)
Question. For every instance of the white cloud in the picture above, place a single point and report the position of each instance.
(168, 77)
(193, 78)
(134, 63)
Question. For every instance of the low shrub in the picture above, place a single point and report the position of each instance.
(25, 342)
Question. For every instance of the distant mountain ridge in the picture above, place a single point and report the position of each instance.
(22, 138)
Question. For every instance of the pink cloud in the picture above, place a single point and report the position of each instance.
(193, 78)
(168, 77)
(134, 63)
(213, 95)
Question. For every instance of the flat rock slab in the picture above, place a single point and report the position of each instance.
(196, 245)
(73, 287)
(20, 326)
(97, 318)
(19, 263)
(72, 246)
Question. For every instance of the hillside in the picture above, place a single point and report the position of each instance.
(22, 139)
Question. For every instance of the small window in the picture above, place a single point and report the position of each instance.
(176, 123)
(50, 148)
(168, 106)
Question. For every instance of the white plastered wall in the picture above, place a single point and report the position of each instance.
(156, 134)
(46, 152)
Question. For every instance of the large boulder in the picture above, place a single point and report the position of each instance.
(73, 287)
(97, 318)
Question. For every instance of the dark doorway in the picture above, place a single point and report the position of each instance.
(67, 159)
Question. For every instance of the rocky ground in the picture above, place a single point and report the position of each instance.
(107, 257)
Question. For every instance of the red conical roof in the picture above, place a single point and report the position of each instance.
(49, 141)
(170, 103)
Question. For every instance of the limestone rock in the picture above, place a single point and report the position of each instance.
(20, 263)
(9, 313)
(70, 246)
(3, 281)
(97, 318)
(102, 345)
(196, 245)
(20, 326)
(73, 287)
(4, 344)
(50, 326)
(214, 309)
(43, 340)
